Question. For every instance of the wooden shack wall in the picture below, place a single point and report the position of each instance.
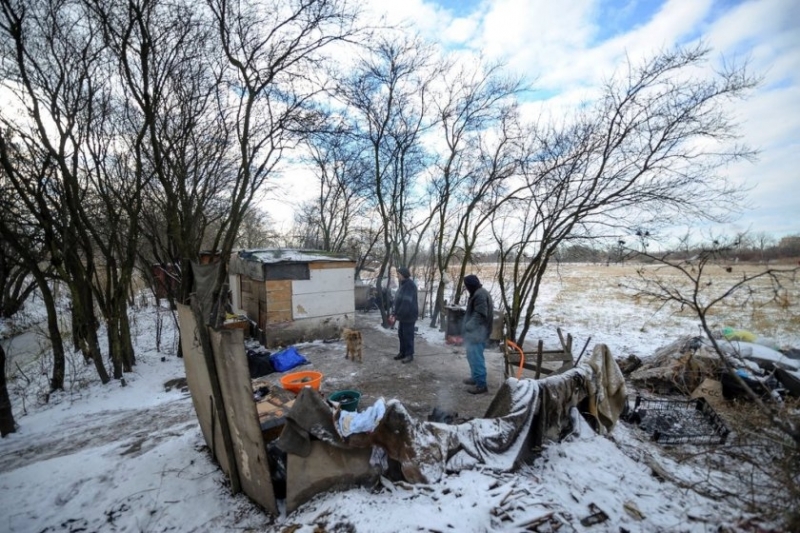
(308, 309)
(248, 444)
(278, 306)
(294, 310)
(249, 449)
(330, 291)
(199, 382)
(253, 299)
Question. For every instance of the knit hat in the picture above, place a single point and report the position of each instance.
(472, 282)
(403, 271)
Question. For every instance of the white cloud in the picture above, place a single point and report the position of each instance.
(554, 42)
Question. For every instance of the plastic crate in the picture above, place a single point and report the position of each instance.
(680, 421)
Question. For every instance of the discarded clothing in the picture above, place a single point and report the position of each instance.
(364, 422)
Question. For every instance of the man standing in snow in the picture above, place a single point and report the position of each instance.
(476, 328)
(406, 312)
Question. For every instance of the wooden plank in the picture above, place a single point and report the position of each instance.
(539, 354)
(273, 317)
(199, 382)
(237, 391)
(548, 356)
(278, 286)
(281, 301)
(332, 264)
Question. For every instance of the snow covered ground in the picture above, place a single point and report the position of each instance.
(132, 458)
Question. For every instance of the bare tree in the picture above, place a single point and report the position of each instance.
(24, 237)
(762, 241)
(387, 95)
(475, 104)
(342, 169)
(7, 423)
(256, 230)
(273, 51)
(15, 281)
(60, 85)
(647, 154)
(171, 77)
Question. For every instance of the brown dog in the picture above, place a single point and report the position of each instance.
(354, 341)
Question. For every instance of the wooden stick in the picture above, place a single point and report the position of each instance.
(584, 349)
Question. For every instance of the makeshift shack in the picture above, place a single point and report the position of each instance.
(326, 447)
(293, 295)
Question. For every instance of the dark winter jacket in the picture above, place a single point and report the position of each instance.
(405, 302)
(478, 317)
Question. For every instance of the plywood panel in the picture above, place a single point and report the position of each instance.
(236, 293)
(199, 382)
(279, 301)
(322, 304)
(249, 448)
(326, 280)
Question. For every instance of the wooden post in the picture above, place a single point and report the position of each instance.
(539, 350)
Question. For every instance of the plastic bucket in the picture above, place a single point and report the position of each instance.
(346, 399)
(297, 380)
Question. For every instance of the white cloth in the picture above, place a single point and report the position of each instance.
(364, 422)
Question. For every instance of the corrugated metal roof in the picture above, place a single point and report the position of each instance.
(291, 255)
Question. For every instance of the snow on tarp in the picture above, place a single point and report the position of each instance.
(523, 414)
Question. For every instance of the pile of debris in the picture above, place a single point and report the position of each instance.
(690, 383)
(684, 365)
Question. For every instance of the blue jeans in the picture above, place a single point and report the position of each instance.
(477, 364)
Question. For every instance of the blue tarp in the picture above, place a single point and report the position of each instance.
(286, 359)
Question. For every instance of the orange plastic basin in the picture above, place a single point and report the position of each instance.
(297, 380)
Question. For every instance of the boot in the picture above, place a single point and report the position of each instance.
(408, 359)
(399, 356)
(469, 381)
(475, 389)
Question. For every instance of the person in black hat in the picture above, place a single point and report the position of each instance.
(406, 312)
(476, 328)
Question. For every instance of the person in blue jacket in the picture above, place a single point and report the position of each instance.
(406, 312)
(476, 328)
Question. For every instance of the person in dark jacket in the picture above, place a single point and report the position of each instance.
(406, 312)
(476, 328)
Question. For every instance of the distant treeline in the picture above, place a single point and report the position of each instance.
(749, 249)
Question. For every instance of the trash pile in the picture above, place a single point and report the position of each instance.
(692, 382)
(682, 366)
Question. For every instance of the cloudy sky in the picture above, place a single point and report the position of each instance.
(568, 47)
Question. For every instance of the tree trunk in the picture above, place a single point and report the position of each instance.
(56, 342)
(114, 347)
(7, 424)
(120, 347)
(128, 353)
(438, 305)
(87, 329)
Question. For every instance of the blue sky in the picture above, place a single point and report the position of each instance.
(568, 46)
